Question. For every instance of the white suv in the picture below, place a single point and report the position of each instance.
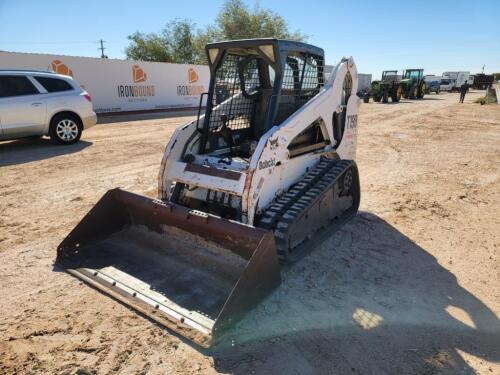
(34, 103)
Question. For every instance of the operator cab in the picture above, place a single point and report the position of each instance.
(254, 85)
(390, 75)
(414, 74)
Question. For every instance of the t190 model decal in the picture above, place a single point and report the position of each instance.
(267, 163)
(352, 122)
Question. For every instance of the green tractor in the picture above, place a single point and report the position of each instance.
(387, 87)
(413, 84)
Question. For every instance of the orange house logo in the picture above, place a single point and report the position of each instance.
(192, 76)
(136, 92)
(60, 68)
(138, 75)
(190, 89)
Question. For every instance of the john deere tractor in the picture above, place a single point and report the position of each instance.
(413, 84)
(387, 87)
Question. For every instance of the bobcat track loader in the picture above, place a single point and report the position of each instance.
(251, 182)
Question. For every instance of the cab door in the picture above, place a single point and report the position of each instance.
(22, 108)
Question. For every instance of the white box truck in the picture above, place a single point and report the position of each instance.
(364, 82)
(454, 80)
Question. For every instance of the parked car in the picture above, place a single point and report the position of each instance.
(433, 83)
(434, 86)
(35, 103)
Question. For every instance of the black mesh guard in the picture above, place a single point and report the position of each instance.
(243, 94)
(232, 112)
(302, 80)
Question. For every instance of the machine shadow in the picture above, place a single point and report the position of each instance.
(26, 150)
(368, 300)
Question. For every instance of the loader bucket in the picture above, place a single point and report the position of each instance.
(192, 272)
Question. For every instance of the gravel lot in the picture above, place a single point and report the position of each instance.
(410, 286)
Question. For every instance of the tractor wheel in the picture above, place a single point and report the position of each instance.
(422, 91)
(413, 92)
(406, 92)
(385, 97)
(366, 98)
(397, 93)
(376, 98)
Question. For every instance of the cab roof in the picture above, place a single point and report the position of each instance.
(283, 46)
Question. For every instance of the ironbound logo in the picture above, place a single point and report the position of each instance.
(136, 91)
(192, 75)
(60, 68)
(138, 74)
(190, 90)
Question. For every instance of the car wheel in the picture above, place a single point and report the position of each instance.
(65, 129)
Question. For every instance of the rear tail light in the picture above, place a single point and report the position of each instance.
(88, 97)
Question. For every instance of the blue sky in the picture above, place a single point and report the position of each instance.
(436, 35)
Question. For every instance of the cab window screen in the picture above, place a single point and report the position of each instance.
(16, 86)
(54, 84)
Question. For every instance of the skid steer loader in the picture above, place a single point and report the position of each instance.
(251, 182)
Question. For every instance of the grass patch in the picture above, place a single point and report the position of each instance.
(491, 98)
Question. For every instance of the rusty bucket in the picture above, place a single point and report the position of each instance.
(192, 272)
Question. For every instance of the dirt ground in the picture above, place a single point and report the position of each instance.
(410, 286)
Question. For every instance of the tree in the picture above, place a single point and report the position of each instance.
(237, 21)
(179, 36)
(175, 43)
(181, 42)
(147, 47)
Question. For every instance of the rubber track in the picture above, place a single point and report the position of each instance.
(300, 198)
(287, 200)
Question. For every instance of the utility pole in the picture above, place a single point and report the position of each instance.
(102, 48)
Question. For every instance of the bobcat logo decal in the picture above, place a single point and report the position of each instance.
(273, 143)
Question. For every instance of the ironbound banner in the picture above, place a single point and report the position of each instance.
(122, 85)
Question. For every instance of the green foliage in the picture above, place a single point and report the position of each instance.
(490, 98)
(181, 42)
(175, 43)
(147, 47)
(237, 21)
